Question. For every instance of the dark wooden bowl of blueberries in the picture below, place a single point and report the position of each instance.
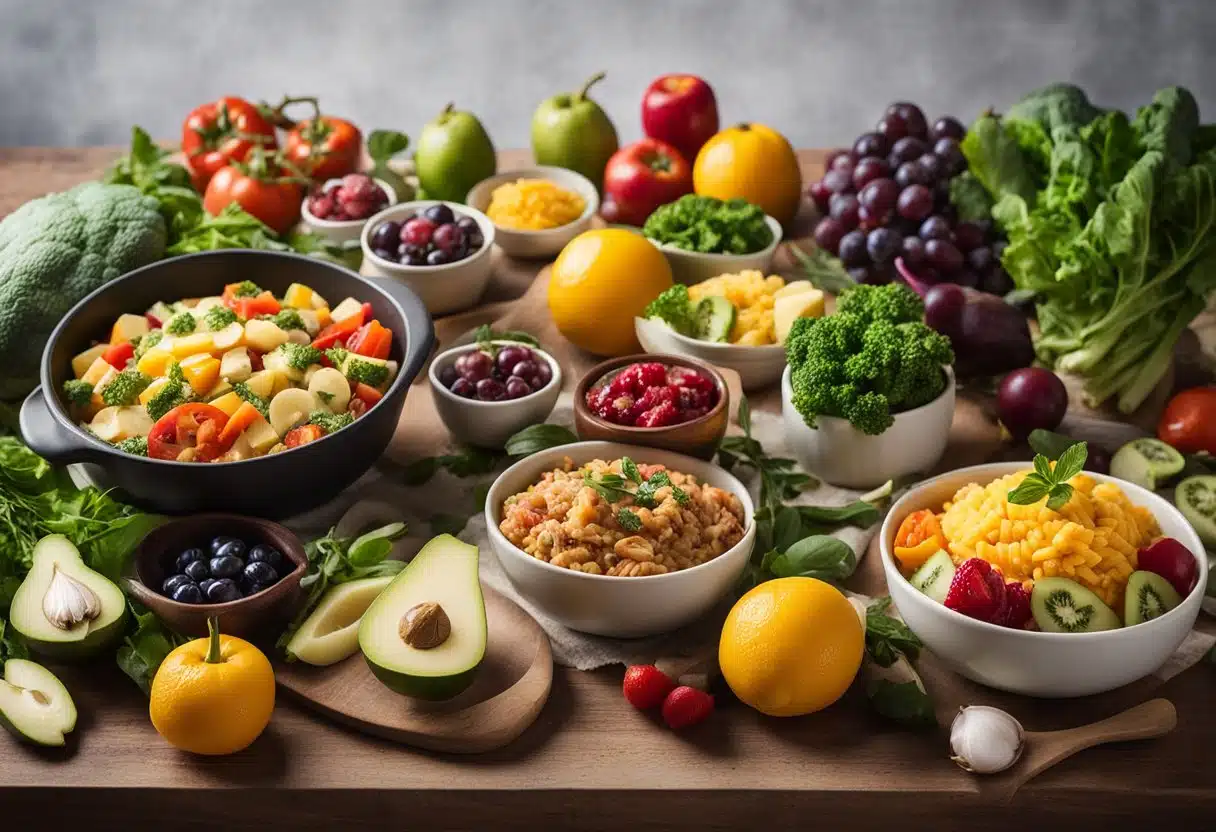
(244, 570)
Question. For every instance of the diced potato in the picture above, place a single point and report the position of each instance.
(229, 337)
(312, 324)
(324, 319)
(346, 309)
(277, 362)
(331, 388)
(392, 372)
(236, 365)
(154, 362)
(161, 311)
(241, 449)
(228, 403)
(298, 336)
(202, 371)
(318, 301)
(261, 436)
(790, 308)
(221, 388)
(82, 362)
(207, 303)
(128, 327)
(290, 407)
(795, 287)
(299, 296)
(114, 424)
(152, 389)
(191, 345)
(264, 336)
(96, 370)
(262, 383)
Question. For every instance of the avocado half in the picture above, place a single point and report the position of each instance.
(59, 580)
(34, 704)
(442, 574)
(331, 632)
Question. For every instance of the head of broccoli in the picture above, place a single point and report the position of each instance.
(137, 445)
(242, 390)
(218, 317)
(182, 323)
(78, 392)
(125, 388)
(176, 391)
(300, 356)
(371, 373)
(892, 302)
(149, 341)
(288, 319)
(330, 422)
(246, 289)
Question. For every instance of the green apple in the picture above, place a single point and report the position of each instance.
(572, 131)
(454, 154)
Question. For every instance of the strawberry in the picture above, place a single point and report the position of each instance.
(646, 686)
(1017, 607)
(977, 591)
(685, 707)
(659, 417)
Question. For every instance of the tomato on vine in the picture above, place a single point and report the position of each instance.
(223, 131)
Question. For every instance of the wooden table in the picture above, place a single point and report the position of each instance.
(590, 761)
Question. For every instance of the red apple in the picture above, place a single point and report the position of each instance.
(680, 110)
(642, 176)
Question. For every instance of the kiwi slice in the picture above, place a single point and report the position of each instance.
(1148, 596)
(715, 318)
(1196, 499)
(1063, 606)
(934, 576)
(1146, 462)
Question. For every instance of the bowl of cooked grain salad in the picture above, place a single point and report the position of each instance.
(537, 210)
(620, 540)
(1049, 593)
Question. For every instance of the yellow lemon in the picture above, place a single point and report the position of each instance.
(602, 280)
(791, 646)
(752, 162)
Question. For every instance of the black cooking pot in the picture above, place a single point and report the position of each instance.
(277, 485)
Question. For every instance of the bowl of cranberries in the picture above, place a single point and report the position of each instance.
(488, 391)
(441, 250)
(660, 401)
(337, 209)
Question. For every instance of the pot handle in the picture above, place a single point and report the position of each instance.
(420, 341)
(45, 436)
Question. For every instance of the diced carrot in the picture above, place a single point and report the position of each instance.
(244, 416)
(338, 331)
(372, 340)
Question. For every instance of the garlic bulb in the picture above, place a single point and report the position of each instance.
(68, 602)
(985, 740)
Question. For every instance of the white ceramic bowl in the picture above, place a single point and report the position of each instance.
(538, 244)
(611, 606)
(689, 267)
(342, 231)
(840, 454)
(490, 424)
(444, 289)
(1050, 665)
(757, 367)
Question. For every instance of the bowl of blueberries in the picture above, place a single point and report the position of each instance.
(244, 570)
(488, 391)
(441, 250)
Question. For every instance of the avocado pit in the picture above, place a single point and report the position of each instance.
(425, 626)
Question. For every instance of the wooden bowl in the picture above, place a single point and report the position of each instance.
(698, 438)
(155, 556)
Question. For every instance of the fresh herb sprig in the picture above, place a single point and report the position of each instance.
(614, 487)
(1049, 482)
(485, 336)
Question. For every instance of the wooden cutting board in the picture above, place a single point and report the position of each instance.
(511, 687)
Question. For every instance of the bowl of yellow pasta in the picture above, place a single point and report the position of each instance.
(537, 210)
(1065, 618)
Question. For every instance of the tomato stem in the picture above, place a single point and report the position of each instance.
(213, 641)
(278, 116)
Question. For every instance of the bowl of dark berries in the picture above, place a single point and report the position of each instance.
(245, 570)
(660, 401)
(441, 250)
(487, 391)
(337, 209)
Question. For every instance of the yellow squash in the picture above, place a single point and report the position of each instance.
(752, 162)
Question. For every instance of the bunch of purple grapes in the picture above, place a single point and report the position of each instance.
(889, 197)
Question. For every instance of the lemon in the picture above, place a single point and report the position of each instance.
(602, 280)
(791, 646)
(752, 162)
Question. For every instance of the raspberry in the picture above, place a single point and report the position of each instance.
(977, 591)
(693, 399)
(652, 398)
(685, 707)
(641, 376)
(621, 384)
(659, 417)
(646, 686)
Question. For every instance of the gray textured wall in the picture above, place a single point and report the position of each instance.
(80, 72)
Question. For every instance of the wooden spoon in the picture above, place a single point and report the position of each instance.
(1044, 749)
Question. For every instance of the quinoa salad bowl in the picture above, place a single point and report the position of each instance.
(619, 540)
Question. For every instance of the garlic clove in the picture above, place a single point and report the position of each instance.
(985, 740)
(67, 602)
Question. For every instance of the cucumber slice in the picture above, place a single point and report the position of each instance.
(715, 318)
(1196, 499)
(934, 576)
(1146, 462)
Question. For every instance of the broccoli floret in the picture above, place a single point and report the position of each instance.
(125, 388)
(148, 342)
(242, 390)
(218, 317)
(337, 355)
(330, 422)
(137, 445)
(365, 372)
(182, 323)
(300, 356)
(675, 308)
(892, 302)
(175, 392)
(288, 319)
(78, 392)
(246, 289)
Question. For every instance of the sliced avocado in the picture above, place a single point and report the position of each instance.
(1146, 462)
(63, 608)
(1148, 596)
(34, 704)
(331, 632)
(1196, 499)
(715, 318)
(425, 635)
(934, 576)
(1063, 606)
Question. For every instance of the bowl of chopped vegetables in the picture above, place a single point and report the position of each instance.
(536, 211)
(226, 381)
(703, 237)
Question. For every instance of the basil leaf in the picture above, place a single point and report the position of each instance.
(1029, 491)
(1071, 462)
(859, 514)
(787, 529)
(745, 417)
(383, 145)
(1049, 444)
(374, 546)
(629, 520)
(887, 637)
(818, 556)
(536, 438)
(630, 470)
(1042, 467)
(486, 333)
(904, 702)
(1059, 496)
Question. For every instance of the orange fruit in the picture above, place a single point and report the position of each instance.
(753, 162)
(600, 282)
(791, 646)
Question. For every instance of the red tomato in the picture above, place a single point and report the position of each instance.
(188, 433)
(642, 176)
(324, 147)
(367, 394)
(263, 304)
(117, 355)
(338, 331)
(1189, 421)
(153, 321)
(372, 340)
(303, 435)
(262, 187)
(220, 132)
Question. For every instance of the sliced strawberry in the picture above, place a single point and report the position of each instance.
(1017, 605)
(685, 707)
(977, 591)
(646, 686)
